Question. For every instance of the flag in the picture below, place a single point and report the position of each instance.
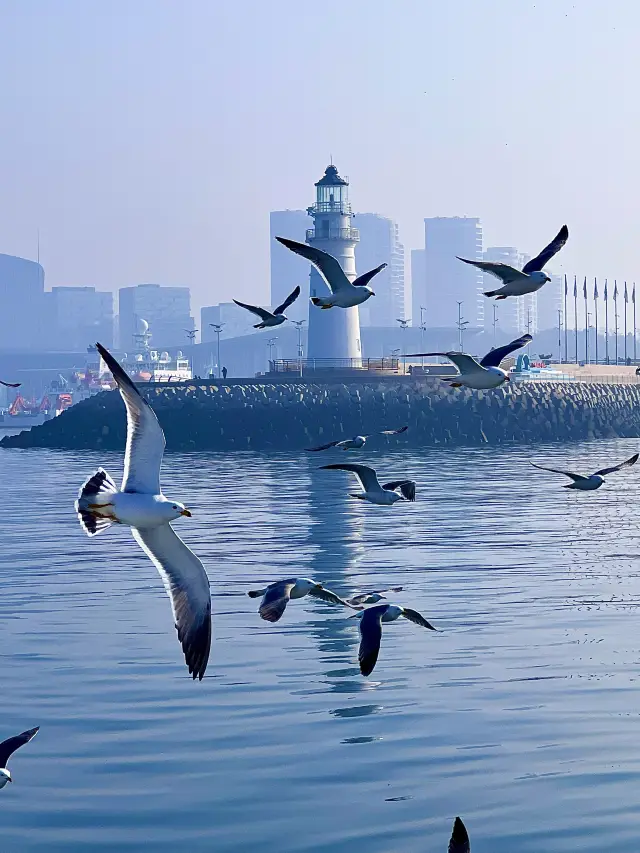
(633, 293)
(626, 298)
(595, 288)
(575, 287)
(615, 290)
(605, 290)
(584, 287)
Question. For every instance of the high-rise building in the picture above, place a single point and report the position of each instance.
(236, 321)
(418, 277)
(21, 303)
(288, 269)
(447, 281)
(76, 317)
(167, 310)
(379, 244)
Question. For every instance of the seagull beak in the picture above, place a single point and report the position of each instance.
(186, 512)
(507, 379)
(9, 779)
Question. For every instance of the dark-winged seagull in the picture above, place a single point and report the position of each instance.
(459, 842)
(371, 621)
(527, 280)
(140, 504)
(371, 597)
(483, 374)
(8, 747)
(344, 293)
(357, 441)
(386, 495)
(268, 318)
(277, 595)
(10, 384)
(592, 481)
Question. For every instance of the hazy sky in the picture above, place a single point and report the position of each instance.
(149, 139)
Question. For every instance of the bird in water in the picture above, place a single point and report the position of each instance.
(8, 747)
(371, 621)
(386, 495)
(268, 319)
(357, 441)
(527, 280)
(276, 596)
(372, 597)
(590, 482)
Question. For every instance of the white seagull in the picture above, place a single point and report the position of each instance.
(8, 747)
(386, 495)
(141, 505)
(483, 374)
(459, 842)
(530, 278)
(371, 597)
(344, 293)
(268, 318)
(592, 481)
(277, 595)
(357, 441)
(371, 621)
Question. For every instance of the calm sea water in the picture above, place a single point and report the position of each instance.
(522, 715)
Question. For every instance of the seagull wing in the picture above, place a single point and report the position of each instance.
(323, 446)
(291, 298)
(145, 439)
(275, 600)
(407, 488)
(631, 461)
(367, 476)
(326, 263)
(493, 358)
(8, 747)
(504, 272)
(536, 264)
(459, 838)
(394, 431)
(574, 477)
(255, 309)
(327, 595)
(418, 618)
(187, 585)
(465, 363)
(364, 279)
(10, 384)
(370, 637)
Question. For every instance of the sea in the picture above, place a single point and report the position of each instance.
(521, 714)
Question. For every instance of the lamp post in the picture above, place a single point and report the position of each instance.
(423, 329)
(495, 323)
(559, 335)
(299, 324)
(586, 338)
(460, 326)
(271, 344)
(404, 325)
(191, 334)
(217, 328)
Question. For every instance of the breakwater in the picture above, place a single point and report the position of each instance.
(207, 416)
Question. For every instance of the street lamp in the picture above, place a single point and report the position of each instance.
(460, 326)
(271, 344)
(495, 323)
(217, 328)
(191, 334)
(299, 324)
(404, 325)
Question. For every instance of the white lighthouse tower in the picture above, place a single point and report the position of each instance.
(333, 333)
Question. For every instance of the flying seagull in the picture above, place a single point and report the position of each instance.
(530, 278)
(357, 441)
(371, 597)
(277, 595)
(10, 384)
(8, 747)
(398, 490)
(483, 374)
(344, 293)
(459, 838)
(140, 504)
(267, 318)
(371, 621)
(591, 481)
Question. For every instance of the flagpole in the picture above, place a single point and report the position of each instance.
(616, 315)
(575, 312)
(633, 299)
(586, 322)
(595, 304)
(626, 300)
(566, 324)
(606, 322)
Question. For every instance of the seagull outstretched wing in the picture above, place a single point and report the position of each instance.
(255, 309)
(504, 272)
(291, 298)
(627, 463)
(574, 477)
(493, 358)
(364, 279)
(328, 265)
(536, 264)
(9, 746)
(367, 476)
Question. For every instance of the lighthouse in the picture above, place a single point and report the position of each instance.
(333, 333)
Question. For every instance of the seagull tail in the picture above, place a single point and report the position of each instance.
(94, 505)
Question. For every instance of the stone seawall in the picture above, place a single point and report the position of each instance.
(205, 416)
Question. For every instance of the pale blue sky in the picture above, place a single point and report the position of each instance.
(149, 139)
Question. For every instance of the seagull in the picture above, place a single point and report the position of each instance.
(357, 441)
(269, 319)
(277, 595)
(372, 597)
(8, 747)
(10, 384)
(459, 838)
(592, 481)
(371, 621)
(530, 278)
(398, 490)
(344, 293)
(140, 504)
(482, 374)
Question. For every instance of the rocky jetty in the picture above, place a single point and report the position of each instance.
(205, 416)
